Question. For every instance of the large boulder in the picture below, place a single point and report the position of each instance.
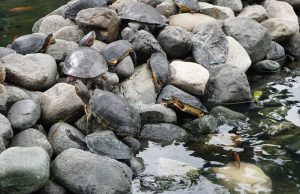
(83, 172)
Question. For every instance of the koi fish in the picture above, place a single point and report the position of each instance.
(20, 9)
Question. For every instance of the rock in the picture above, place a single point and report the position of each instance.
(53, 23)
(107, 144)
(102, 20)
(25, 72)
(23, 170)
(217, 12)
(266, 66)
(24, 114)
(82, 125)
(125, 67)
(292, 46)
(69, 33)
(59, 139)
(282, 22)
(6, 132)
(235, 5)
(210, 46)
(3, 98)
(203, 125)
(98, 45)
(222, 111)
(155, 113)
(137, 165)
(255, 12)
(79, 171)
(238, 178)
(175, 41)
(166, 8)
(188, 21)
(118, 5)
(294, 3)
(60, 49)
(6, 51)
(163, 132)
(276, 52)
(138, 87)
(52, 187)
(15, 94)
(245, 29)
(60, 103)
(188, 76)
(111, 80)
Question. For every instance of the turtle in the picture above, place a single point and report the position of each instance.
(161, 71)
(171, 96)
(32, 43)
(190, 6)
(86, 63)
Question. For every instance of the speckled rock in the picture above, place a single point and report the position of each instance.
(52, 23)
(69, 33)
(217, 12)
(6, 132)
(276, 52)
(15, 94)
(52, 187)
(3, 98)
(61, 49)
(235, 5)
(118, 5)
(6, 51)
(166, 8)
(255, 12)
(292, 46)
(2, 73)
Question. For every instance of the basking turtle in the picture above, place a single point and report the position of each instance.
(32, 43)
(190, 6)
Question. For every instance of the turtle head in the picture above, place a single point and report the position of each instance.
(82, 91)
(88, 39)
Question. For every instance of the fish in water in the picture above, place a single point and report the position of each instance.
(236, 158)
(20, 9)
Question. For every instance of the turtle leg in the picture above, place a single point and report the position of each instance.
(88, 118)
(133, 56)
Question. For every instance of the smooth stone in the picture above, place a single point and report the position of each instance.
(217, 12)
(23, 170)
(221, 111)
(60, 103)
(6, 51)
(24, 114)
(137, 166)
(155, 113)
(175, 41)
(255, 12)
(83, 172)
(59, 139)
(188, 21)
(276, 52)
(61, 49)
(3, 99)
(292, 46)
(15, 94)
(294, 3)
(188, 76)
(245, 29)
(125, 67)
(52, 187)
(166, 8)
(69, 33)
(111, 80)
(98, 45)
(53, 23)
(266, 66)
(25, 72)
(204, 125)
(118, 5)
(235, 5)
(106, 143)
(102, 20)
(31, 138)
(6, 132)
(138, 87)
(163, 132)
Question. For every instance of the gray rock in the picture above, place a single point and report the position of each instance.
(175, 41)
(137, 165)
(292, 46)
(294, 3)
(83, 172)
(2, 73)
(111, 80)
(166, 8)
(217, 12)
(266, 66)
(52, 23)
(125, 67)
(210, 46)
(6, 132)
(255, 12)
(31, 165)
(6, 51)
(107, 144)
(118, 5)
(235, 5)
(98, 45)
(245, 29)
(31, 138)
(60, 103)
(203, 125)
(163, 132)
(61, 49)
(69, 33)
(82, 125)
(221, 111)
(276, 52)
(52, 187)
(3, 99)
(138, 87)
(15, 94)
(59, 139)
(24, 114)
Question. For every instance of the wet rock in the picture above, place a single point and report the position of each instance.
(282, 22)
(235, 5)
(60, 103)
(166, 8)
(3, 98)
(138, 87)
(103, 21)
(203, 125)
(243, 29)
(217, 12)
(59, 139)
(175, 41)
(163, 132)
(31, 138)
(24, 114)
(266, 66)
(125, 67)
(52, 23)
(255, 12)
(6, 132)
(52, 187)
(292, 46)
(69, 33)
(61, 49)
(221, 111)
(79, 171)
(137, 166)
(118, 5)
(276, 52)
(6, 51)
(210, 46)
(32, 165)
(188, 21)
(107, 144)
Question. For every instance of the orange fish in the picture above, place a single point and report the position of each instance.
(20, 9)
(236, 158)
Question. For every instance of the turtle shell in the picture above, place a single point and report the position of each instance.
(190, 6)
(73, 7)
(114, 113)
(141, 12)
(30, 43)
(116, 51)
(85, 62)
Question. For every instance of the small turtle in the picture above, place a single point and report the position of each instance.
(118, 50)
(32, 43)
(190, 6)
(160, 70)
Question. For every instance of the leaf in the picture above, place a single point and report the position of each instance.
(257, 94)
